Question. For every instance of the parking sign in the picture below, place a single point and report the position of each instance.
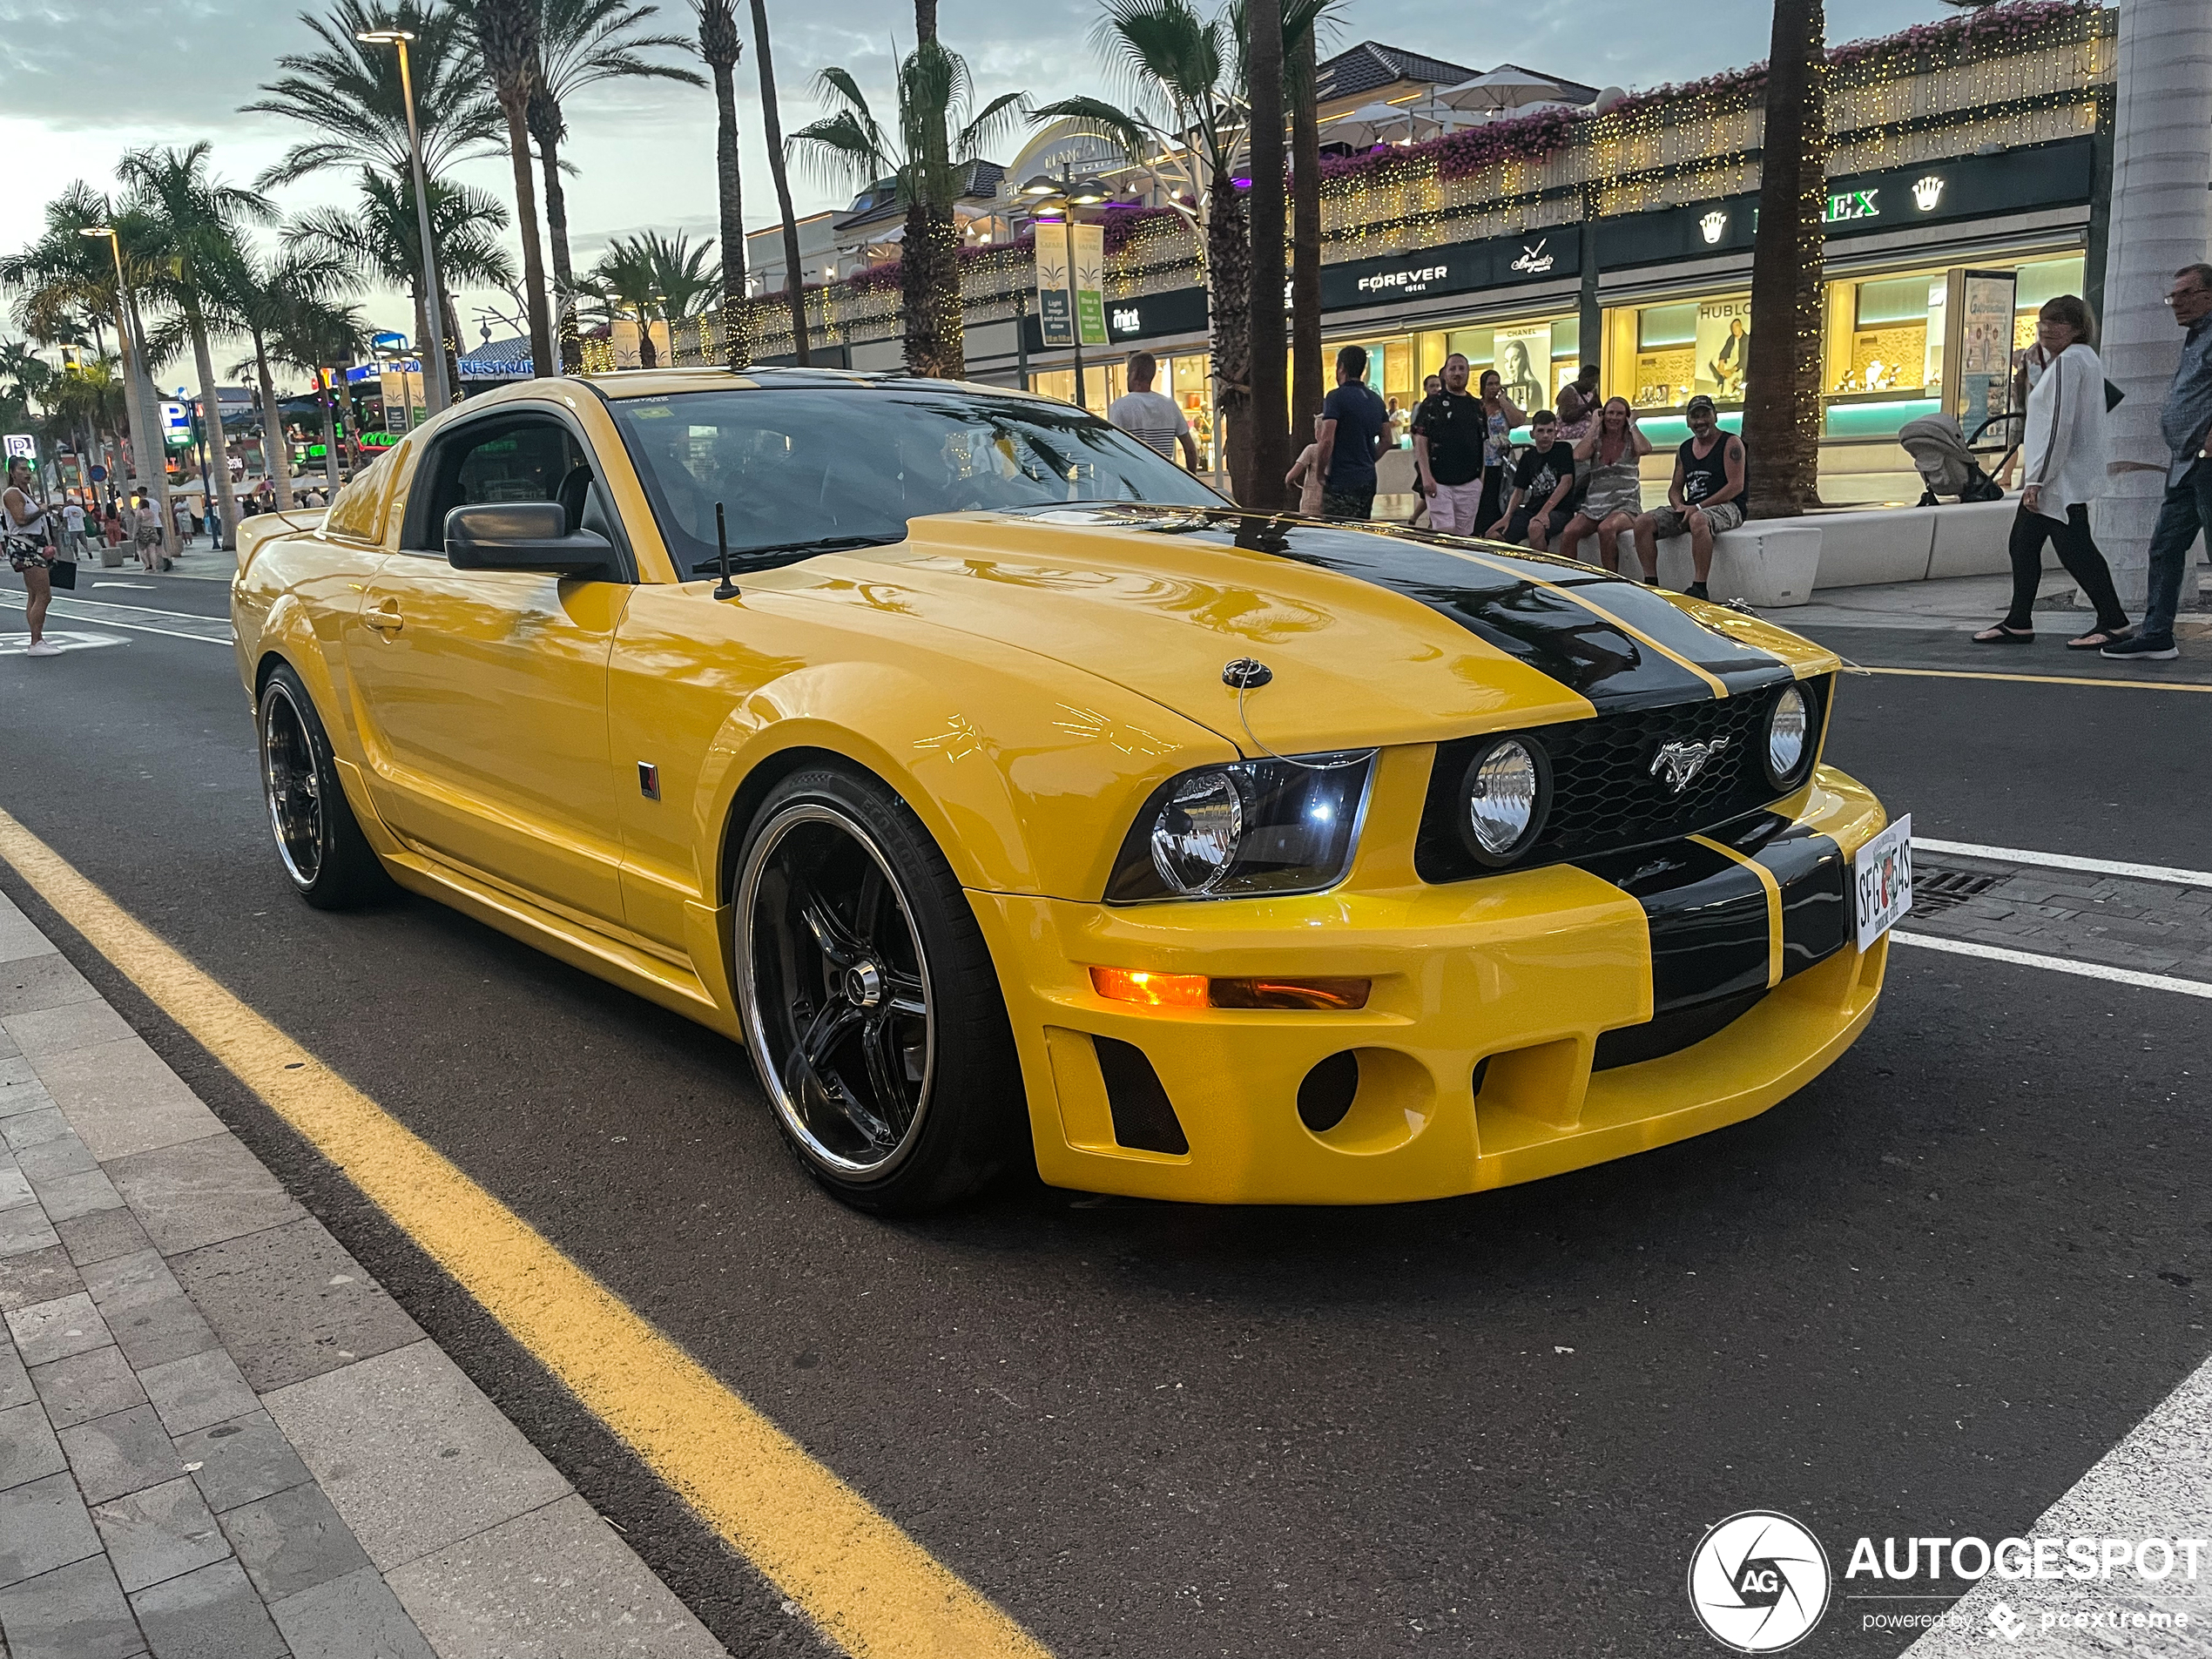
(22, 444)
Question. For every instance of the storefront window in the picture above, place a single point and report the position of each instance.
(2042, 280)
(1666, 356)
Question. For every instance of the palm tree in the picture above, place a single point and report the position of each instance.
(261, 297)
(1270, 407)
(1302, 21)
(720, 46)
(772, 122)
(65, 274)
(930, 161)
(653, 277)
(1782, 383)
(316, 337)
(379, 238)
(194, 221)
(582, 43)
(1184, 82)
(350, 91)
(507, 31)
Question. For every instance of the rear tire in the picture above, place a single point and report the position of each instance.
(319, 842)
(869, 1001)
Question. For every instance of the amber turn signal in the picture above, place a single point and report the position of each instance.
(1150, 990)
(1197, 991)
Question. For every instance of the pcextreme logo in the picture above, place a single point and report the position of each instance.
(1758, 1581)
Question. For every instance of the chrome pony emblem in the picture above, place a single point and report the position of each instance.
(1682, 762)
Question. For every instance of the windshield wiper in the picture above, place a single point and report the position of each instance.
(818, 544)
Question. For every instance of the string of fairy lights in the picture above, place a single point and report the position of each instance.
(2008, 76)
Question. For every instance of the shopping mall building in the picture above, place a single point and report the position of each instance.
(1969, 173)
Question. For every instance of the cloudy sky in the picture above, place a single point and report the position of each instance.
(84, 82)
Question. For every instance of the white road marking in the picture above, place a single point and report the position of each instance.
(2067, 861)
(2057, 964)
(2156, 1483)
(123, 585)
(16, 645)
(210, 630)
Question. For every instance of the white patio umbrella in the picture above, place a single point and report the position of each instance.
(1504, 88)
(1373, 124)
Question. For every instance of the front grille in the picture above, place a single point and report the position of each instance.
(1604, 796)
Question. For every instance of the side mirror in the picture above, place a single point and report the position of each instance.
(523, 535)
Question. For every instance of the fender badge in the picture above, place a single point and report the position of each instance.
(648, 780)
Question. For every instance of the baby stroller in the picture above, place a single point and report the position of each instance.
(1946, 465)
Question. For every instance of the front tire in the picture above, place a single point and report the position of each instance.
(869, 1001)
(319, 843)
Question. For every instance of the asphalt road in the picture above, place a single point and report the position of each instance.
(1922, 1297)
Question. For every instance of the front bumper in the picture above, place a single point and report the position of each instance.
(1478, 1054)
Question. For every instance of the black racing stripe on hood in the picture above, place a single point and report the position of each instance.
(1524, 605)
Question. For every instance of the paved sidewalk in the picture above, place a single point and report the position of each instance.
(220, 1438)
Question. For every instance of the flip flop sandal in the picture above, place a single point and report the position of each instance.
(2099, 639)
(2001, 634)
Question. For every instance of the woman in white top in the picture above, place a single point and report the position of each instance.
(23, 525)
(2063, 455)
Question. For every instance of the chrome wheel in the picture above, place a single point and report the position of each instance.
(293, 782)
(836, 992)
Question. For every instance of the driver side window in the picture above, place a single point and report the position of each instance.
(527, 458)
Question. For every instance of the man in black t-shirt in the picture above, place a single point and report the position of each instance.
(1541, 482)
(1351, 439)
(1449, 428)
(1705, 498)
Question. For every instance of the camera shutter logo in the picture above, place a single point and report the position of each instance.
(1758, 1581)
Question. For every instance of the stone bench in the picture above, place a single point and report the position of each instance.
(1770, 563)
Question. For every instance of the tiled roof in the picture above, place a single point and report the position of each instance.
(1371, 64)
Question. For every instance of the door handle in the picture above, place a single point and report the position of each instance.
(384, 619)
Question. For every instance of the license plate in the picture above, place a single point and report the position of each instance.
(1882, 878)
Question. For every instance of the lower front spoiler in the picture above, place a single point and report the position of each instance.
(1421, 1123)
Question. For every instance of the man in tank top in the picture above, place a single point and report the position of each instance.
(1705, 498)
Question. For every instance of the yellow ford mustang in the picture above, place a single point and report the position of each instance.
(1015, 795)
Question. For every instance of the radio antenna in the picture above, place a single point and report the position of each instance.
(725, 589)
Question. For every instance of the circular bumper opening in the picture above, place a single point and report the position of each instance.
(1367, 1100)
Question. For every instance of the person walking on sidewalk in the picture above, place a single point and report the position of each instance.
(1450, 432)
(23, 526)
(1353, 420)
(1153, 420)
(74, 529)
(1500, 416)
(2066, 447)
(1305, 476)
(2186, 424)
(1705, 498)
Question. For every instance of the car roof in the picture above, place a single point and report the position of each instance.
(622, 384)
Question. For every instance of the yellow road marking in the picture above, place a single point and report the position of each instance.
(1773, 903)
(858, 1575)
(2032, 679)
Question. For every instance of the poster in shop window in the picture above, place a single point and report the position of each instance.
(1985, 347)
(1723, 348)
(1522, 356)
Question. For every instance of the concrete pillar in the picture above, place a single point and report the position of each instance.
(2161, 166)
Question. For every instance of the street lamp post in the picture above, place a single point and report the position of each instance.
(1062, 196)
(147, 437)
(433, 295)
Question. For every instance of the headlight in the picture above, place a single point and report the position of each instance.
(1258, 826)
(1508, 790)
(1196, 834)
(1788, 736)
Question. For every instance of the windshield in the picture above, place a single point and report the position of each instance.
(800, 470)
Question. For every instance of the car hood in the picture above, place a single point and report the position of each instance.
(1372, 634)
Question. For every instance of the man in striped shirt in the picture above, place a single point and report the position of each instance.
(1153, 419)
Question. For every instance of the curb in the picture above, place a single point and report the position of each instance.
(217, 1433)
